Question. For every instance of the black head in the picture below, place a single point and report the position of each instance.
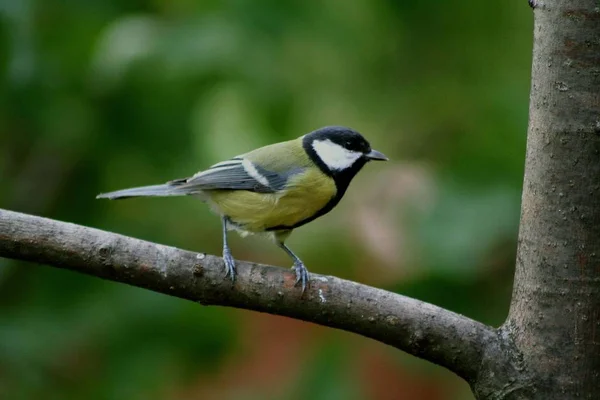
(339, 152)
(337, 148)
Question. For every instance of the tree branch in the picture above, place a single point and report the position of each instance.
(421, 329)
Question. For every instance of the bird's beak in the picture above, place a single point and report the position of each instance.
(376, 155)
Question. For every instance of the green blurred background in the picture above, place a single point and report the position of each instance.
(98, 95)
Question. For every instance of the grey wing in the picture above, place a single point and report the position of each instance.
(237, 174)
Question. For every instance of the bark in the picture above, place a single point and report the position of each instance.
(555, 312)
(421, 329)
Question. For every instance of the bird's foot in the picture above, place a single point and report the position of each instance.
(302, 275)
(229, 264)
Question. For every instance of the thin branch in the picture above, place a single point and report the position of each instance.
(421, 329)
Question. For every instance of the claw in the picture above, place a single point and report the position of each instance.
(227, 257)
(302, 275)
(229, 264)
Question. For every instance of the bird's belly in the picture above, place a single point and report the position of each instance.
(258, 212)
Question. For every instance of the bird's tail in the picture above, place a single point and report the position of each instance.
(173, 188)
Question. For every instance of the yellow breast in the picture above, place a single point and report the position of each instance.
(306, 194)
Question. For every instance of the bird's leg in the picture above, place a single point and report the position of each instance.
(227, 257)
(302, 275)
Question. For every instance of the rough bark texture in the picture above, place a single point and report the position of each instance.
(555, 313)
(419, 328)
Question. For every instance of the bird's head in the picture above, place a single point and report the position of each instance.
(339, 151)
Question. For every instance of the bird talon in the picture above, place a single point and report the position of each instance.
(302, 275)
(229, 265)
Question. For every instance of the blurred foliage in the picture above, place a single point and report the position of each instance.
(102, 95)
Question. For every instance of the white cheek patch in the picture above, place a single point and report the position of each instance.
(335, 156)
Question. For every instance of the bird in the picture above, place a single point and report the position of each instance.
(274, 189)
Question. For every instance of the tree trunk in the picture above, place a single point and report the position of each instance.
(554, 318)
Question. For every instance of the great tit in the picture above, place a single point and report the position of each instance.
(276, 188)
